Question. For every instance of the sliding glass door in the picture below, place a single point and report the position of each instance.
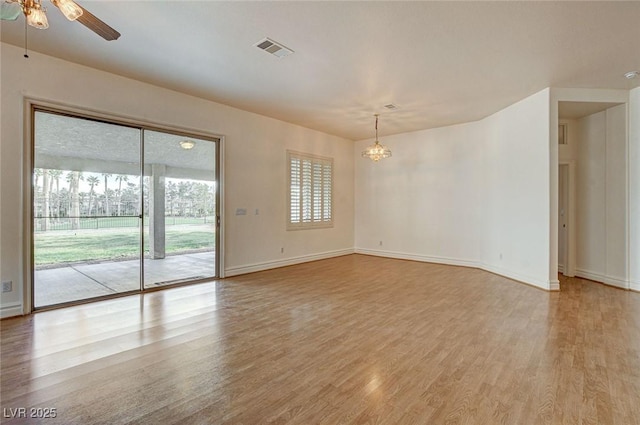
(118, 208)
(179, 208)
(86, 207)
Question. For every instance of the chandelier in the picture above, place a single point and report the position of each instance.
(376, 152)
(35, 14)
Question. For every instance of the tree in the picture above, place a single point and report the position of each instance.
(201, 194)
(106, 194)
(64, 202)
(183, 194)
(37, 172)
(45, 197)
(93, 181)
(120, 178)
(74, 177)
(55, 177)
(172, 192)
(130, 199)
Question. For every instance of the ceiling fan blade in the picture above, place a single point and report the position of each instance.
(10, 11)
(90, 21)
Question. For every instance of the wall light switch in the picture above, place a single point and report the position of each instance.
(241, 211)
(7, 286)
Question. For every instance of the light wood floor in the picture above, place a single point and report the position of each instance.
(354, 339)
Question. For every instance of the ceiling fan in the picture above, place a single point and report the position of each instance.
(36, 16)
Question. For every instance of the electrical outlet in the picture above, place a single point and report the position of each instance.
(380, 243)
(7, 286)
(282, 250)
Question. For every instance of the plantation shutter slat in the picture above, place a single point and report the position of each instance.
(306, 191)
(327, 180)
(317, 192)
(310, 191)
(295, 197)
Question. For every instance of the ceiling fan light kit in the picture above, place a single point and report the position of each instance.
(68, 8)
(35, 15)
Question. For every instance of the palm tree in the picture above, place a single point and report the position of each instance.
(37, 172)
(106, 194)
(74, 177)
(131, 199)
(64, 202)
(55, 177)
(83, 203)
(93, 181)
(45, 197)
(120, 178)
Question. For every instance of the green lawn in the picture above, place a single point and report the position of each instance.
(114, 244)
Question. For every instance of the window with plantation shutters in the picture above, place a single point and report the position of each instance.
(310, 191)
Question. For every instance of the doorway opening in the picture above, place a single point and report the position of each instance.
(119, 208)
(592, 191)
(566, 218)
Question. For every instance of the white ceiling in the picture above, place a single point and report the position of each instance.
(575, 110)
(440, 62)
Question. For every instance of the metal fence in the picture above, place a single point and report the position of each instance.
(45, 224)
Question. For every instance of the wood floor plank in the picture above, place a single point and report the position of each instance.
(354, 339)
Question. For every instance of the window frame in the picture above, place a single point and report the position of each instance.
(312, 222)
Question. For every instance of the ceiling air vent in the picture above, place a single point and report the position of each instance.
(390, 107)
(273, 47)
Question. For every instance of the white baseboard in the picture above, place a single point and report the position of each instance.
(618, 282)
(267, 265)
(416, 257)
(547, 285)
(634, 286)
(553, 285)
(11, 310)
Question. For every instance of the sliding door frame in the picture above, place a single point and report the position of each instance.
(33, 105)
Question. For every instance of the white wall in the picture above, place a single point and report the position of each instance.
(601, 197)
(590, 195)
(255, 166)
(420, 203)
(516, 194)
(475, 194)
(634, 189)
(616, 271)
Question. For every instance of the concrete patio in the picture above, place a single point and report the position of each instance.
(85, 280)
